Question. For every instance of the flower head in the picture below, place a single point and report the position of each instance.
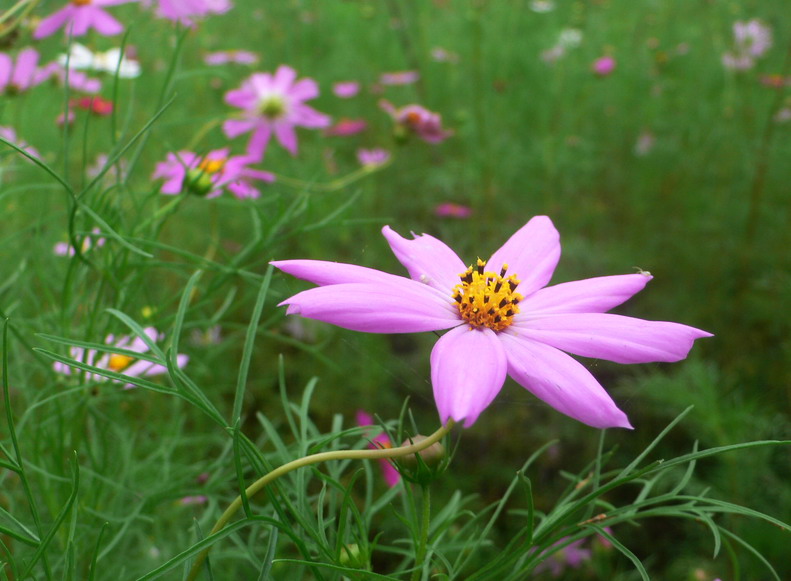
(92, 240)
(9, 135)
(451, 210)
(417, 120)
(372, 158)
(752, 40)
(345, 127)
(274, 104)
(22, 75)
(208, 175)
(389, 473)
(603, 66)
(78, 16)
(111, 61)
(501, 320)
(224, 57)
(119, 362)
(346, 89)
(399, 78)
(187, 11)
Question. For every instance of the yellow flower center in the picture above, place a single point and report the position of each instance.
(272, 107)
(80, 2)
(487, 299)
(118, 362)
(212, 166)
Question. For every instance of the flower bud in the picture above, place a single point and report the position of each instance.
(352, 556)
(424, 466)
(198, 181)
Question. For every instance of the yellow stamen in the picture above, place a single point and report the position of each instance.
(80, 2)
(272, 107)
(212, 166)
(118, 362)
(487, 299)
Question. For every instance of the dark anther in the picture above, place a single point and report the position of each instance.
(480, 269)
(502, 270)
(457, 298)
(503, 303)
(498, 286)
(513, 285)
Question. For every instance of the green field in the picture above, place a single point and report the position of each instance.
(671, 163)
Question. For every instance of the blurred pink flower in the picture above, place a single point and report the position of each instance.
(557, 560)
(78, 80)
(208, 175)
(644, 144)
(193, 500)
(399, 78)
(442, 55)
(373, 157)
(345, 127)
(240, 57)
(451, 210)
(92, 240)
(752, 40)
(78, 16)
(95, 104)
(274, 104)
(603, 66)
(15, 78)
(389, 473)
(417, 120)
(346, 89)
(501, 320)
(117, 362)
(185, 12)
(9, 135)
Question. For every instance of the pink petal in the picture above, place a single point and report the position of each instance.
(305, 116)
(53, 22)
(304, 89)
(235, 127)
(592, 295)
(562, 382)
(26, 62)
(283, 79)
(104, 23)
(403, 307)
(468, 369)
(612, 337)
(259, 140)
(532, 254)
(6, 66)
(287, 136)
(81, 20)
(244, 98)
(322, 272)
(427, 259)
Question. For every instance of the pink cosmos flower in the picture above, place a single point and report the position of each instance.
(78, 16)
(15, 78)
(346, 89)
(501, 320)
(93, 240)
(603, 66)
(117, 362)
(373, 157)
(399, 78)
(224, 57)
(208, 175)
(345, 127)
(418, 120)
(451, 210)
(9, 135)
(274, 104)
(389, 473)
(186, 12)
(78, 80)
(752, 40)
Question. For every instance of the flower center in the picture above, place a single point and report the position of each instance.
(273, 107)
(200, 180)
(212, 166)
(80, 2)
(118, 362)
(487, 299)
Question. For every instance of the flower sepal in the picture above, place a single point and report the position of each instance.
(424, 467)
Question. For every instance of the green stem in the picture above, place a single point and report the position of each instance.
(259, 484)
(420, 554)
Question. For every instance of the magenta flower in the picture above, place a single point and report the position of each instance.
(274, 104)
(416, 120)
(78, 80)
(501, 320)
(373, 157)
(451, 210)
(78, 16)
(345, 127)
(15, 78)
(92, 240)
(118, 362)
(389, 473)
(603, 66)
(224, 57)
(399, 78)
(346, 89)
(208, 175)
(9, 135)
(752, 41)
(187, 11)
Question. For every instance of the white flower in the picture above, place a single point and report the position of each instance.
(82, 58)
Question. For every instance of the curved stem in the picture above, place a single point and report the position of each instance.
(259, 484)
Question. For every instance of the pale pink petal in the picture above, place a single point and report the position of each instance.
(427, 259)
(560, 381)
(468, 369)
(81, 20)
(322, 272)
(105, 24)
(402, 307)
(592, 295)
(243, 190)
(283, 78)
(243, 98)
(287, 136)
(304, 89)
(532, 254)
(6, 66)
(53, 22)
(612, 337)
(257, 174)
(235, 127)
(308, 117)
(26, 62)
(259, 140)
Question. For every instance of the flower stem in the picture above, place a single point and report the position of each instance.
(420, 554)
(259, 484)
